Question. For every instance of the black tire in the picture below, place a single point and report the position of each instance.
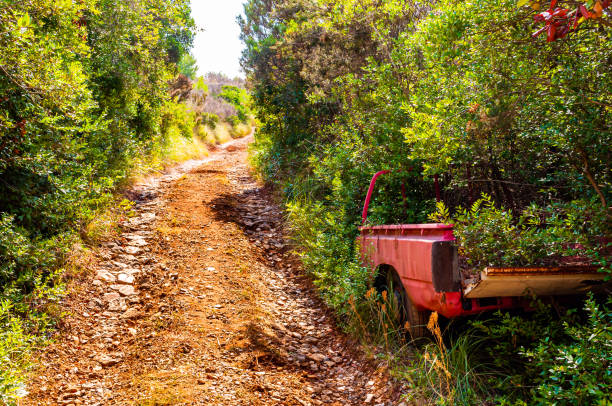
(411, 319)
(417, 319)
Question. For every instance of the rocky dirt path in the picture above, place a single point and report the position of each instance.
(200, 302)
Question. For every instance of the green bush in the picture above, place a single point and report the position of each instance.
(454, 89)
(552, 356)
(549, 357)
(328, 254)
(578, 369)
(177, 117)
(240, 99)
(22, 259)
(491, 236)
(188, 66)
(83, 100)
(29, 280)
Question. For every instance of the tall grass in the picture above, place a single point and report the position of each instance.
(178, 148)
(452, 371)
(374, 320)
(439, 369)
(221, 133)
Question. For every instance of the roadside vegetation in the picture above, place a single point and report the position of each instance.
(219, 107)
(509, 110)
(84, 103)
(92, 93)
(229, 105)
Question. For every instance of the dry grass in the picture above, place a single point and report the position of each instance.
(438, 370)
(176, 149)
(241, 130)
(104, 226)
(163, 388)
(168, 231)
(223, 132)
(180, 149)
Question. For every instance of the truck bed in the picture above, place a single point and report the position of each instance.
(424, 257)
(540, 281)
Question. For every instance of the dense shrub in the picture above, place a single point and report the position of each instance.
(562, 359)
(84, 93)
(188, 66)
(239, 98)
(578, 369)
(490, 236)
(455, 89)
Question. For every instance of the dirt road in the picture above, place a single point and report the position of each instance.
(200, 302)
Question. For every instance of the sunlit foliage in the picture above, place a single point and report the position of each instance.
(83, 88)
(454, 89)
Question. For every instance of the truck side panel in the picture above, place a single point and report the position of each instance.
(410, 251)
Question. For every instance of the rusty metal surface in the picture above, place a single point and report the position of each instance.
(530, 271)
(408, 227)
(408, 248)
(364, 213)
(541, 281)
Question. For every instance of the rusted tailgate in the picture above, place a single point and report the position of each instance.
(546, 281)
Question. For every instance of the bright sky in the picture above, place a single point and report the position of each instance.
(218, 47)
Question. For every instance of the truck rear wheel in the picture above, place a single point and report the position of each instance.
(411, 319)
(417, 320)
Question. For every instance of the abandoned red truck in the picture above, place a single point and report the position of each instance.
(421, 262)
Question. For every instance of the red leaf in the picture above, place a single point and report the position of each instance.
(550, 37)
(561, 32)
(585, 13)
(598, 9)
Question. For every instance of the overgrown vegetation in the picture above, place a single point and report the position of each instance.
(84, 102)
(508, 359)
(516, 128)
(487, 235)
(219, 107)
